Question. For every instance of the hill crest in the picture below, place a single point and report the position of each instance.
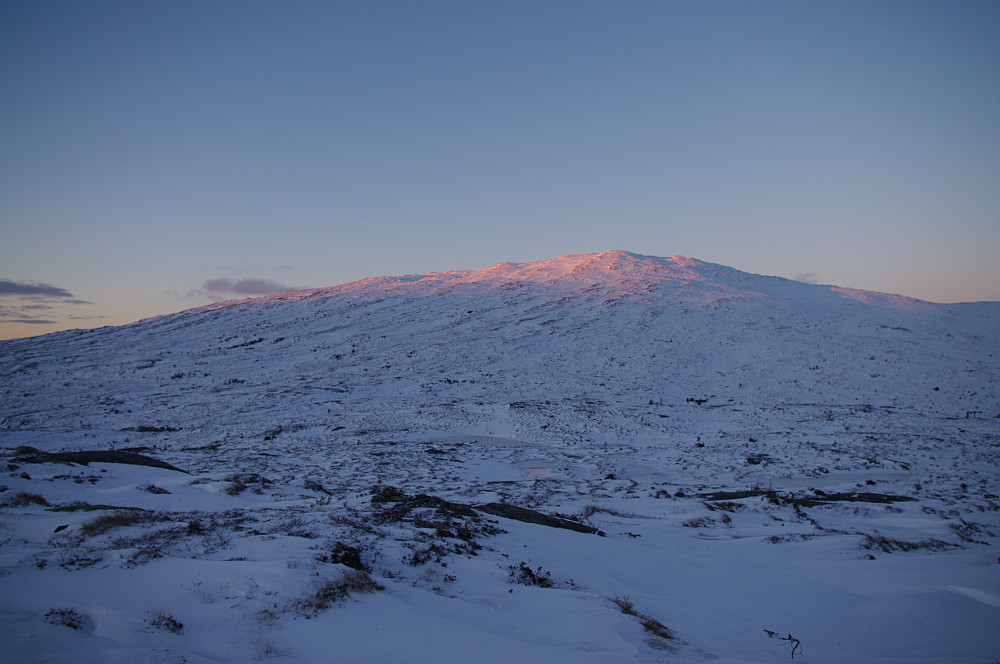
(614, 274)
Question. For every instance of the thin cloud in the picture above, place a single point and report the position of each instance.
(28, 315)
(45, 299)
(807, 277)
(8, 287)
(226, 287)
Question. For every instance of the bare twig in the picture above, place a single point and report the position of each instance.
(792, 641)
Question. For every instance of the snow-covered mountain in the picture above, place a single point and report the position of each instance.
(760, 454)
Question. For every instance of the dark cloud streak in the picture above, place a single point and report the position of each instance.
(23, 303)
(246, 287)
(8, 287)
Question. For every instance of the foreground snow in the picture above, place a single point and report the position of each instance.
(758, 455)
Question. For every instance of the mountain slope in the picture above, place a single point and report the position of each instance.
(613, 327)
(614, 387)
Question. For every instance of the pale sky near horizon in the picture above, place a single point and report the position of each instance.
(161, 155)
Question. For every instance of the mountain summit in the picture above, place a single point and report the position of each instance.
(611, 274)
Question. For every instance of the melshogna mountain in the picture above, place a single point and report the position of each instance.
(605, 457)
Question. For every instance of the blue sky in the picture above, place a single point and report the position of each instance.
(156, 156)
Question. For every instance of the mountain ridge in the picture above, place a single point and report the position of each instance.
(620, 273)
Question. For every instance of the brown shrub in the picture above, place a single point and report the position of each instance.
(117, 519)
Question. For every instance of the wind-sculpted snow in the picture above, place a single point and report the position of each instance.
(760, 454)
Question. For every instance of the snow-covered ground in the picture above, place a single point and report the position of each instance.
(757, 455)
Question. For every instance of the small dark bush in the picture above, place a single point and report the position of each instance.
(526, 576)
(143, 556)
(345, 554)
(313, 485)
(432, 551)
(698, 522)
(165, 621)
(387, 494)
(65, 617)
(240, 483)
(236, 487)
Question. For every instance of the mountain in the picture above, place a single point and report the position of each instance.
(759, 454)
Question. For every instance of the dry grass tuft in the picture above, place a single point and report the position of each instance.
(117, 519)
(648, 622)
(23, 499)
(891, 545)
(332, 591)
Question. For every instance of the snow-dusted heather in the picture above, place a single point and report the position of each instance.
(775, 468)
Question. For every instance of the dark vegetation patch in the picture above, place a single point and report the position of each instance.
(791, 537)
(968, 531)
(148, 428)
(724, 506)
(26, 454)
(820, 498)
(734, 495)
(433, 552)
(892, 545)
(396, 496)
(817, 497)
(81, 506)
(698, 522)
(404, 504)
(531, 516)
(245, 344)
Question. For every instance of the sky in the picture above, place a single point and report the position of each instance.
(161, 155)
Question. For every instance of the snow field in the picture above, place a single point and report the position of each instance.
(759, 454)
